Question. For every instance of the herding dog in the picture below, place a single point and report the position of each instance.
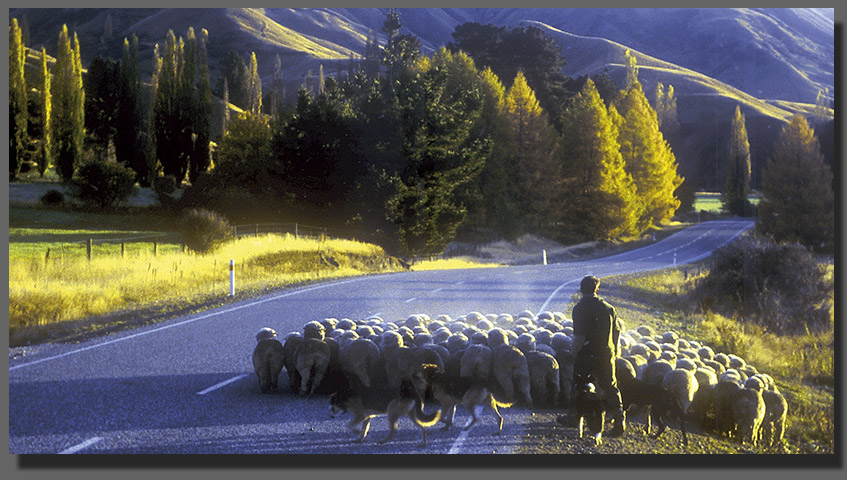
(590, 407)
(659, 401)
(268, 359)
(466, 391)
(367, 403)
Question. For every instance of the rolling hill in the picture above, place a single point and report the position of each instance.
(773, 62)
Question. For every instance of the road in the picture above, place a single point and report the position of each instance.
(187, 385)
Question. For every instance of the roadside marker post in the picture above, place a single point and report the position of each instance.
(544, 256)
(232, 278)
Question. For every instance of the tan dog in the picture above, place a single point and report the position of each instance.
(465, 391)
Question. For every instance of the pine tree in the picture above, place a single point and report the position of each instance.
(648, 157)
(533, 168)
(18, 112)
(597, 198)
(68, 105)
(46, 101)
(734, 197)
(797, 199)
(254, 86)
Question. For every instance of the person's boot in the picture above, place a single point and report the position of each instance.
(619, 426)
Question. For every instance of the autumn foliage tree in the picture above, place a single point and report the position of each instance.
(797, 199)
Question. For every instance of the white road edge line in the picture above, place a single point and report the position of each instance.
(222, 384)
(81, 446)
(201, 317)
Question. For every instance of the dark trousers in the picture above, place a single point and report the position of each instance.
(602, 367)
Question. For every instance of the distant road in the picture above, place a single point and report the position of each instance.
(187, 385)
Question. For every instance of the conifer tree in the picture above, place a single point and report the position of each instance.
(18, 112)
(734, 197)
(797, 199)
(68, 105)
(597, 197)
(647, 156)
(534, 142)
(46, 103)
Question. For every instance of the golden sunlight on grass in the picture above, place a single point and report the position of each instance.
(451, 264)
(72, 288)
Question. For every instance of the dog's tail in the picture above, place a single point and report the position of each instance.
(424, 419)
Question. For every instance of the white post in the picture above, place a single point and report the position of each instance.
(232, 278)
(674, 259)
(544, 256)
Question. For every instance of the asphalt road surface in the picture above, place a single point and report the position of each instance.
(187, 385)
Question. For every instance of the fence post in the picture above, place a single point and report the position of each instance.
(257, 229)
(295, 229)
(544, 255)
(88, 249)
(155, 247)
(123, 249)
(47, 256)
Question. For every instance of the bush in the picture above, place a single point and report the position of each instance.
(53, 198)
(780, 287)
(204, 231)
(103, 183)
(166, 184)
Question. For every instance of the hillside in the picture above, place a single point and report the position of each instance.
(773, 62)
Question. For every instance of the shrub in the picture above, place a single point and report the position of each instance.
(166, 184)
(103, 183)
(53, 198)
(780, 287)
(204, 231)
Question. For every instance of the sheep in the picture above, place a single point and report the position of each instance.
(268, 360)
(638, 349)
(422, 339)
(479, 338)
(724, 417)
(669, 357)
(705, 376)
(735, 361)
(755, 383)
(560, 341)
(346, 324)
(364, 330)
(683, 384)
(329, 323)
(525, 343)
(722, 358)
(638, 363)
(360, 358)
(655, 372)
(706, 353)
(497, 337)
(645, 331)
(703, 407)
(485, 325)
(543, 378)
(623, 368)
(511, 375)
(773, 425)
(748, 408)
(671, 338)
(716, 366)
(476, 362)
(687, 364)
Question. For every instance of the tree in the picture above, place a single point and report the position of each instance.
(734, 197)
(46, 109)
(666, 111)
(102, 103)
(797, 199)
(533, 169)
(254, 86)
(68, 105)
(597, 198)
(235, 72)
(275, 99)
(18, 111)
(441, 152)
(128, 124)
(245, 156)
(200, 156)
(647, 156)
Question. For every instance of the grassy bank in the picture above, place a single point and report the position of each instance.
(802, 365)
(69, 288)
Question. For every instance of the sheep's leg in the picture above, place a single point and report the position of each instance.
(449, 412)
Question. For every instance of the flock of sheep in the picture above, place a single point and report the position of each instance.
(528, 360)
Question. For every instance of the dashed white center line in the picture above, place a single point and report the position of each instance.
(411, 299)
(222, 384)
(438, 290)
(81, 446)
(459, 283)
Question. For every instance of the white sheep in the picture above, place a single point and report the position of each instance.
(683, 384)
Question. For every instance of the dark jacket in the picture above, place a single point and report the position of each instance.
(596, 320)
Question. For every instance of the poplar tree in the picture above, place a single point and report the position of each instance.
(734, 197)
(647, 156)
(166, 111)
(535, 172)
(254, 86)
(18, 113)
(128, 135)
(68, 105)
(200, 157)
(797, 199)
(46, 110)
(598, 197)
(666, 110)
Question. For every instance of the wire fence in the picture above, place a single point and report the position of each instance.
(173, 242)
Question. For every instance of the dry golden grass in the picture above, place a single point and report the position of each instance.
(451, 264)
(71, 288)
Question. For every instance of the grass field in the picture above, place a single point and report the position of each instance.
(711, 202)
